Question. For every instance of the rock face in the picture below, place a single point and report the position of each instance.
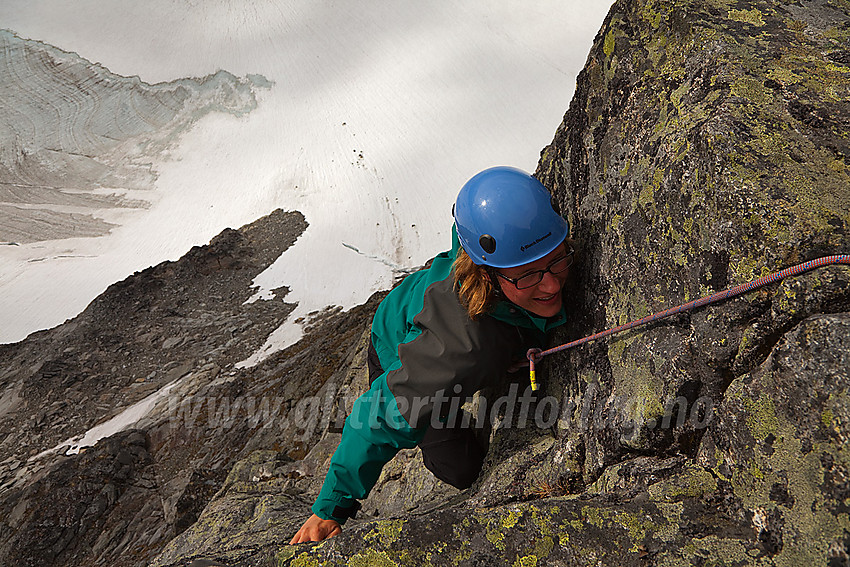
(706, 146)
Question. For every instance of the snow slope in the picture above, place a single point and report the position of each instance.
(377, 113)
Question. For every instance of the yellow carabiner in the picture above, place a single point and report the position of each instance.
(532, 374)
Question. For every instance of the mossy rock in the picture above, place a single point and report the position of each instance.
(707, 145)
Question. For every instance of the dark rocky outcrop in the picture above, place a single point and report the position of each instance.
(187, 319)
(141, 334)
(706, 145)
(85, 505)
(121, 501)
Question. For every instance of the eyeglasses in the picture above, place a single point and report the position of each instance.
(531, 279)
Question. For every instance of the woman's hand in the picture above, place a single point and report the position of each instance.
(316, 529)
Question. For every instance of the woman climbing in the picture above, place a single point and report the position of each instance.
(446, 332)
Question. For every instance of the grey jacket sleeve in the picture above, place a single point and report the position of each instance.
(453, 356)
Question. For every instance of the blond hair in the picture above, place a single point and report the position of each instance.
(474, 285)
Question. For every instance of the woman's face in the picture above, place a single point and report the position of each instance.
(543, 299)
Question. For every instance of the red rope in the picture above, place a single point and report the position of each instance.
(535, 354)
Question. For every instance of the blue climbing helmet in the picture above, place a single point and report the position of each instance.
(504, 218)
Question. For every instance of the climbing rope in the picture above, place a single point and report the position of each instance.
(536, 354)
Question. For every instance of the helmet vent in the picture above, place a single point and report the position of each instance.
(488, 243)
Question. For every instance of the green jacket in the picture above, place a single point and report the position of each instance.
(428, 347)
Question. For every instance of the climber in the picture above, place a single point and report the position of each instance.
(444, 333)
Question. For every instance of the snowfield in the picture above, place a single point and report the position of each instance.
(369, 117)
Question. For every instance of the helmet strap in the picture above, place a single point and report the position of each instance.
(494, 279)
